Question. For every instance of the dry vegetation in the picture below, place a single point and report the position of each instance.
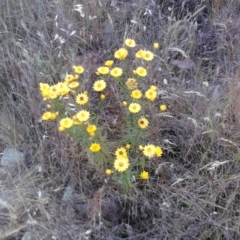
(193, 190)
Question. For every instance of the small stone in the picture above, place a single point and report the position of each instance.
(11, 156)
(68, 194)
(27, 236)
(165, 81)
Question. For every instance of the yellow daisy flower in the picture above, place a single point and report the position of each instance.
(134, 107)
(95, 147)
(46, 94)
(140, 147)
(73, 84)
(158, 151)
(54, 115)
(144, 175)
(46, 116)
(75, 76)
(152, 87)
(151, 95)
(78, 69)
(66, 122)
(131, 83)
(75, 120)
(99, 85)
(44, 87)
(109, 63)
(143, 122)
(82, 98)
(53, 92)
(102, 96)
(103, 70)
(140, 71)
(128, 146)
(124, 103)
(121, 153)
(163, 107)
(136, 94)
(148, 56)
(83, 115)
(139, 53)
(121, 164)
(156, 45)
(116, 72)
(121, 53)
(108, 172)
(149, 150)
(69, 78)
(91, 128)
(61, 129)
(62, 89)
(130, 42)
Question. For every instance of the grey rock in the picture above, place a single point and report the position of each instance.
(27, 236)
(7, 199)
(68, 194)
(11, 156)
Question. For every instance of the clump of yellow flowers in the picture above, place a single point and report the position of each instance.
(69, 105)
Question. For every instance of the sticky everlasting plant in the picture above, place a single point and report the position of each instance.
(70, 107)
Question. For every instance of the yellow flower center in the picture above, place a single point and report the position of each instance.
(149, 150)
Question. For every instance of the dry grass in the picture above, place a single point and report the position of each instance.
(193, 192)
